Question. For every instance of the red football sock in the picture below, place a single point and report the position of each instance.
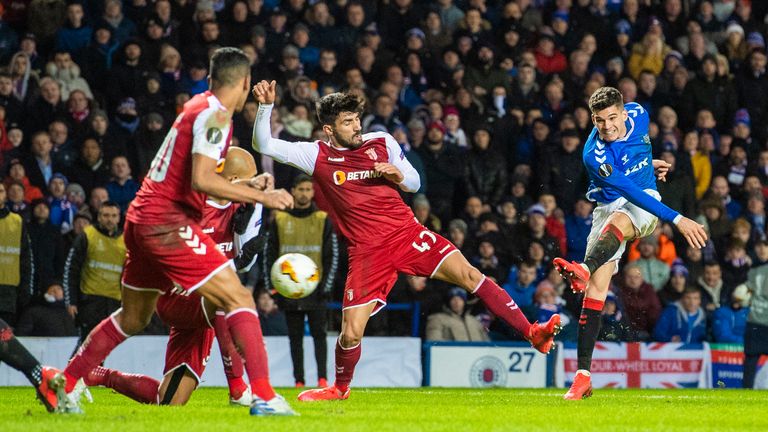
(246, 332)
(141, 388)
(233, 364)
(346, 360)
(97, 346)
(236, 387)
(501, 304)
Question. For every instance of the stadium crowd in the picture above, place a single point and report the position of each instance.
(487, 99)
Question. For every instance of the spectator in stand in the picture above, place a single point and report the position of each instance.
(708, 91)
(577, 227)
(122, 27)
(421, 210)
(122, 189)
(549, 59)
(39, 166)
(16, 202)
(698, 157)
(614, 327)
(730, 321)
(674, 288)
(67, 73)
(47, 317)
(473, 209)
(454, 322)
(649, 53)
(113, 140)
(127, 75)
(64, 151)
(17, 271)
(25, 79)
(721, 190)
(486, 175)
(90, 170)
(487, 260)
(17, 174)
(678, 191)
(47, 246)
(47, 106)
(96, 59)
(62, 210)
(521, 283)
(444, 170)
(752, 89)
(640, 302)
(92, 271)
(459, 236)
(76, 34)
(755, 214)
(561, 171)
(555, 220)
(272, 319)
(683, 321)
(536, 229)
(655, 271)
(711, 286)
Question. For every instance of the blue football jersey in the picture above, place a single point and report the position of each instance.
(624, 168)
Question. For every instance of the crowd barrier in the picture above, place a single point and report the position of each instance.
(397, 362)
(386, 361)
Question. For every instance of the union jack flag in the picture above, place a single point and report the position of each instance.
(641, 365)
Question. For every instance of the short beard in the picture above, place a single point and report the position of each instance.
(344, 143)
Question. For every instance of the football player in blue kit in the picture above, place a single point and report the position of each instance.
(620, 165)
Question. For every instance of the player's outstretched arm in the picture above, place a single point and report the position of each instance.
(301, 155)
(205, 180)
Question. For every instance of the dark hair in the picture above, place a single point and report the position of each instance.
(228, 65)
(330, 106)
(689, 289)
(301, 178)
(605, 97)
(711, 264)
(109, 203)
(528, 263)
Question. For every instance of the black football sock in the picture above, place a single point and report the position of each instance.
(17, 357)
(589, 328)
(605, 247)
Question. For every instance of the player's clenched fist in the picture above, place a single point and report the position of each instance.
(277, 199)
(262, 182)
(389, 171)
(264, 92)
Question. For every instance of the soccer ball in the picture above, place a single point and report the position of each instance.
(295, 275)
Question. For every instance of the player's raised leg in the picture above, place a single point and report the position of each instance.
(130, 319)
(455, 269)
(618, 229)
(13, 353)
(348, 351)
(225, 291)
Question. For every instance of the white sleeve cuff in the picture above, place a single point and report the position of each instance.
(677, 219)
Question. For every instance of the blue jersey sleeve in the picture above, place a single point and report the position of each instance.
(606, 175)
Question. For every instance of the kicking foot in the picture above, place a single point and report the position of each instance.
(277, 406)
(574, 273)
(542, 336)
(581, 388)
(321, 394)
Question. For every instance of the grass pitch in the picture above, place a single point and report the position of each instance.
(404, 410)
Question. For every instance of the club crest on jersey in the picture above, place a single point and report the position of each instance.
(605, 170)
(214, 135)
(371, 152)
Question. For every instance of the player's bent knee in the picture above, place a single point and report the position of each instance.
(349, 341)
(131, 324)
